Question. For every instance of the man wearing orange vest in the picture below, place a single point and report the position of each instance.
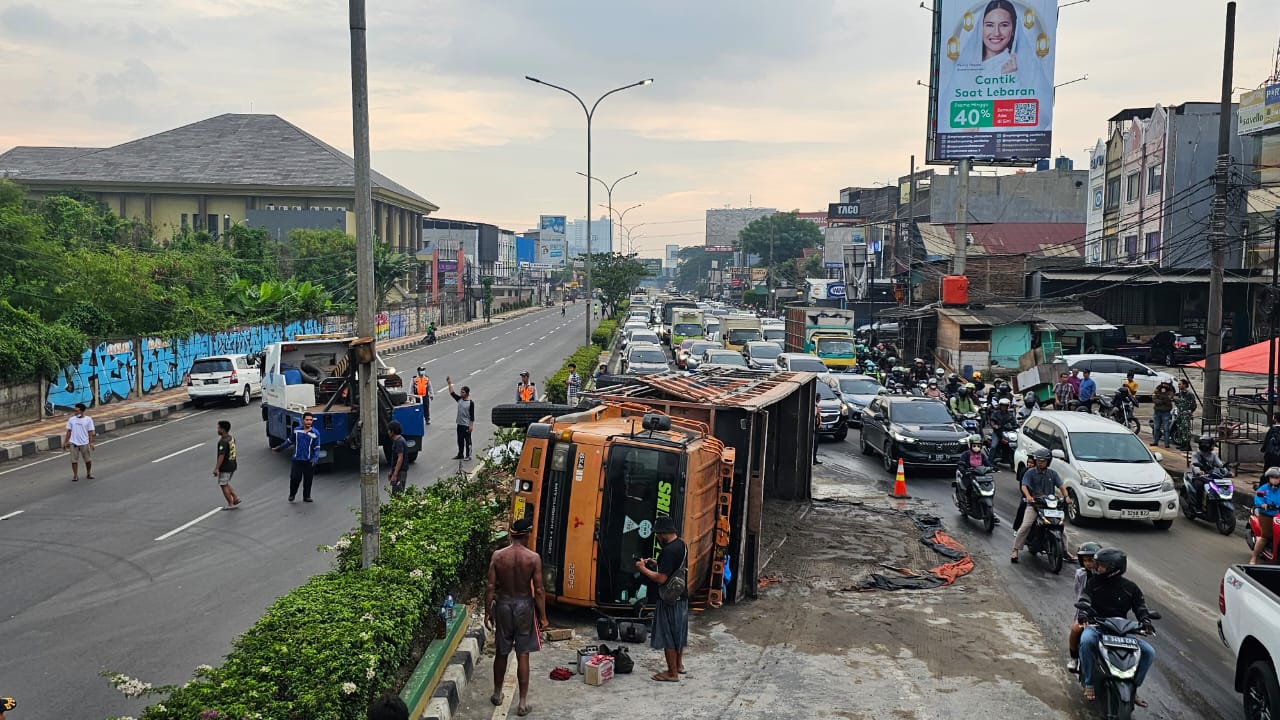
(422, 388)
(525, 391)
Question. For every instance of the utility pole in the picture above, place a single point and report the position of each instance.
(1273, 310)
(1218, 233)
(911, 231)
(365, 301)
(962, 218)
(773, 303)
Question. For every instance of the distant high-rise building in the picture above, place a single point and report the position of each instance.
(575, 235)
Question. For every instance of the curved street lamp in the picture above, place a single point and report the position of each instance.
(608, 188)
(590, 113)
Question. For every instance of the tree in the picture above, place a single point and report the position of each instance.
(388, 268)
(616, 275)
(325, 257)
(695, 263)
(787, 233)
(257, 256)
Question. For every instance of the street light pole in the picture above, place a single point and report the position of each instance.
(608, 188)
(1273, 312)
(622, 215)
(590, 113)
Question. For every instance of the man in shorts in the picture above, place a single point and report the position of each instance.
(513, 595)
(79, 442)
(225, 464)
(399, 447)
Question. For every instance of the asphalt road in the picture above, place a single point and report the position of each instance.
(1178, 570)
(138, 571)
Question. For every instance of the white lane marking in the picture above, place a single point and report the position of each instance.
(184, 526)
(519, 349)
(15, 513)
(507, 332)
(166, 457)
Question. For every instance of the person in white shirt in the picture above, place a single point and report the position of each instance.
(79, 442)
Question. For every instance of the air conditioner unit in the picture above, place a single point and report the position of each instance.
(327, 209)
(297, 207)
(270, 206)
(315, 208)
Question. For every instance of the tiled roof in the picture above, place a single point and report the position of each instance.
(24, 158)
(231, 149)
(1043, 239)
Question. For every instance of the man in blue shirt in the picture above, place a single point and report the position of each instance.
(1088, 390)
(306, 453)
(1266, 503)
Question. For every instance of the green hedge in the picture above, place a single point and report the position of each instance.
(30, 347)
(586, 358)
(329, 647)
(603, 334)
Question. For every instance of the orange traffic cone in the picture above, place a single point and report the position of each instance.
(900, 484)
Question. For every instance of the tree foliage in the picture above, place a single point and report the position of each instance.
(786, 233)
(616, 276)
(695, 263)
(31, 348)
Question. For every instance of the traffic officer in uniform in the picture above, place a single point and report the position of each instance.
(422, 388)
(525, 391)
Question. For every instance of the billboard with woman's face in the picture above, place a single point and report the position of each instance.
(992, 80)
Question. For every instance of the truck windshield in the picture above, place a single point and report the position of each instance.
(742, 336)
(774, 334)
(835, 346)
(687, 329)
(640, 485)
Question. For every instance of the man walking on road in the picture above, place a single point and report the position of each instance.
(399, 447)
(511, 598)
(670, 619)
(224, 466)
(466, 419)
(79, 442)
(422, 388)
(525, 391)
(306, 453)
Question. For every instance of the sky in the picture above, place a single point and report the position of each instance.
(754, 102)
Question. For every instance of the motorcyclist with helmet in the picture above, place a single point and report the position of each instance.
(978, 385)
(932, 390)
(1002, 418)
(1204, 461)
(953, 385)
(1085, 554)
(919, 371)
(975, 457)
(962, 402)
(1266, 503)
(1038, 481)
(1028, 407)
(1110, 594)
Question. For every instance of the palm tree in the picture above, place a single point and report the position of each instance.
(388, 268)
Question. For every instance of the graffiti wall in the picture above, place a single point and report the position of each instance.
(131, 369)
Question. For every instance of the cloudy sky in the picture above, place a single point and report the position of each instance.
(766, 102)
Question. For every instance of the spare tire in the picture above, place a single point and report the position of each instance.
(522, 414)
(604, 381)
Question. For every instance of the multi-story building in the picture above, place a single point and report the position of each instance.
(602, 238)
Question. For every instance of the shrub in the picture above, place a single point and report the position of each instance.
(602, 336)
(586, 358)
(30, 347)
(326, 649)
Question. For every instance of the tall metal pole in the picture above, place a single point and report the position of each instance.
(1271, 306)
(962, 218)
(608, 188)
(911, 233)
(366, 304)
(1218, 233)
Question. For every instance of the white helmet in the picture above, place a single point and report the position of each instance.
(1004, 402)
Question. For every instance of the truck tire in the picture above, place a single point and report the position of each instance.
(522, 414)
(608, 380)
(1261, 691)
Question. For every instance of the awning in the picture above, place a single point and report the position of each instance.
(989, 316)
(1071, 321)
(1251, 359)
(1128, 277)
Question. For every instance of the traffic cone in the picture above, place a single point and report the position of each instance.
(900, 484)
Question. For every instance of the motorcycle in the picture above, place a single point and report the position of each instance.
(1006, 443)
(1219, 504)
(431, 337)
(1180, 428)
(1047, 534)
(1121, 412)
(975, 490)
(969, 421)
(1115, 662)
(1268, 554)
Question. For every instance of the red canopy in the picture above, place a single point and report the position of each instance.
(1251, 359)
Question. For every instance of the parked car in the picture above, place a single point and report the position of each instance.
(918, 430)
(1115, 341)
(644, 359)
(761, 354)
(858, 391)
(1175, 347)
(832, 409)
(721, 358)
(223, 377)
(801, 362)
(1105, 469)
(1109, 371)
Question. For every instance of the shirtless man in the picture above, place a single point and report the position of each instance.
(515, 577)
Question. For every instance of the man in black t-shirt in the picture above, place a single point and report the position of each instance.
(399, 446)
(225, 464)
(670, 620)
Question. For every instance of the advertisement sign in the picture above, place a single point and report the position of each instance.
(1259, 110)
(447, 266)
(821, 288)
(992, 93)
(552, 223)
(652, 265)
(551, 252)
(844, 211)
(837, 239)
(719, 248)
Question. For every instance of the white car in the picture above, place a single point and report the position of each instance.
(801, 362)
(639, 335)
(1105, 469)
(1108, 371)
(224, 377)
(644, 358)
(720, 358)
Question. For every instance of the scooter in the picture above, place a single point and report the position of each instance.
(1006, 444)
(1220, 507)
(1115, 662)
(969, 421)
(431, 336)
(975, 490)
(1268, 554)
(1046, 536)
(1121, 412)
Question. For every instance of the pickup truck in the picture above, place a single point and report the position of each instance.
(1249, 601)
(1116, 342)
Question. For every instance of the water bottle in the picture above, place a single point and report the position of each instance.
(448, 607)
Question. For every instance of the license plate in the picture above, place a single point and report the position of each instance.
(1053, 513)
(210, 382)
(1135, 513)
(937, 458)
(1195, 347)
(1119, 640)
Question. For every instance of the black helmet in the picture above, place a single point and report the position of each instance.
(953, 376)
(1089, 549)
(1113, 560)
(1042, 454)
(964, 391)
(1205, 443)
(421, 368)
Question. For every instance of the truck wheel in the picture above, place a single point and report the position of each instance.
(274, 442)
(411, 456)
(522, 414)
(1261, 692)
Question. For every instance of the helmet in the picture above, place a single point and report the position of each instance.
(1042, 454)
(964, 391)
(975, 440)
(919, 361)
(892, 360)
(977, 375)
(953, 376)
(933, 383)
(1272, 472)
(1088, 549)
(1113, 560)
(1029, 399)
(1004, 402)
(939, 372)
(1205, 443)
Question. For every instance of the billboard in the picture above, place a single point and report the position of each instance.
(551, 252)
(552, 223)
(1259, 110)
(837, 239)
(991, 98)
(652, 265)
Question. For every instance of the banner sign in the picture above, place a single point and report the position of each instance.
(844, 211)
(552, 223)
(1259, 110)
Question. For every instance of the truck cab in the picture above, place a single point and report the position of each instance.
(738, 330)
(686, 324)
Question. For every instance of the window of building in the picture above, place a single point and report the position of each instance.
(185, 221)
(1155, 175)
(213, 224)
(196, 223)
(1152, 250)
(1131, 187)
(1131, 247)
(1111, 248)
(226, 223)
(1113, 193)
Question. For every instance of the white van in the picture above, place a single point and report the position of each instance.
(1108, 371)
(1106, 470)
(224, 377)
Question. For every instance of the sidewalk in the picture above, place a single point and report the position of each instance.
(47, 434)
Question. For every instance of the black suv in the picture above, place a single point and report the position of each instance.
(831, 406)
(918, 430)
(1175, 347)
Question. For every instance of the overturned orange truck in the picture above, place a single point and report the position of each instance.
(705, 450)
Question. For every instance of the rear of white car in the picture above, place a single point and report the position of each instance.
(1107, 471)
(224, 377)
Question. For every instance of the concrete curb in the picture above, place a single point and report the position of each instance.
(439, 698)
(53, 441)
